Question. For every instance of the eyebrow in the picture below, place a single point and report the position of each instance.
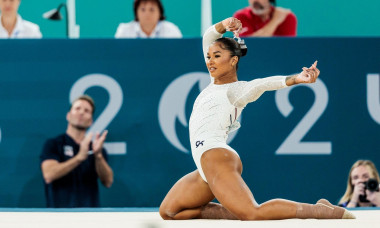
(214, 52)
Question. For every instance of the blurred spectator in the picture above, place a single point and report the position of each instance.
(12, 25)
(71, 164)
(362, 186)
(262, 18)
(149, 22)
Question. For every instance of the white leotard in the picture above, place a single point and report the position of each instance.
(217, 108)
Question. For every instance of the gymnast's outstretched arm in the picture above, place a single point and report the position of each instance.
(244, 93)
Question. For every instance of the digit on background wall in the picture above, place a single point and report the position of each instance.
(373, 96)
(115, 101)
(293, 144)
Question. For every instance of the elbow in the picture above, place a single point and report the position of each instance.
(48, 179)
(108, 183)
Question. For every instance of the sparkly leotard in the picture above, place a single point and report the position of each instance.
(217, 108)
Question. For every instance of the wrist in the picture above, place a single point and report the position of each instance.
(98, 155)
(291, 80)
(78, 158)
(219, 27)
(353, 202)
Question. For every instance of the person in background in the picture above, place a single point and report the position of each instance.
(263, 18)
(71, 164)
(357, 192)
(149, 22)
(11, 23)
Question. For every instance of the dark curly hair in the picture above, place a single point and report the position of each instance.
(235, 48)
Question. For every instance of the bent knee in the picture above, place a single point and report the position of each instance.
(165, 213)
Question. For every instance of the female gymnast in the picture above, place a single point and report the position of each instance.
(219, 167)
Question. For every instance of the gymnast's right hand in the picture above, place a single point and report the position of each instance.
(233, 25)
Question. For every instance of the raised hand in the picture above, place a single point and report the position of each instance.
(308, 75)
(233, 25)
(359, 189)
(97, 144)
(84, 147)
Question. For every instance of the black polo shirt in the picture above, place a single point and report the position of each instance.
(79, 188)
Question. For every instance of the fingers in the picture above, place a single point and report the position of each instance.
(312, 71)
(104, 135)
(88, 137)
(98, 136)
(232, 24)
(315, 64)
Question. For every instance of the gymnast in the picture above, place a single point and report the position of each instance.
(219, 168)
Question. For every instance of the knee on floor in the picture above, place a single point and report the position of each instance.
(166, 214)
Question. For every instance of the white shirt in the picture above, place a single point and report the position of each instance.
(23, 29)
(164, 29)
(217, 107)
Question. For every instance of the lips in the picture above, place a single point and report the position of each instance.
(212, 69)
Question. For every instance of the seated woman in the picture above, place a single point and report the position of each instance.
(12, 25)
(357, 192)
(149, 22)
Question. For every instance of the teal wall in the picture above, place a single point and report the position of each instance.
(297, 143)
(99, 19)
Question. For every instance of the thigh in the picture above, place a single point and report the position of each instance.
(222, 169)
(191, 191)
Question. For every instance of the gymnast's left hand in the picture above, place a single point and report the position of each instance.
(308, 75)
(233, 25)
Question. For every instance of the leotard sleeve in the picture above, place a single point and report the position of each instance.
(245, 92)
(208, 37)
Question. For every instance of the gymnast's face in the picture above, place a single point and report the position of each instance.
(219, 61)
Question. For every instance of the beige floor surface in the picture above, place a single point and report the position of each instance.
(365, 219)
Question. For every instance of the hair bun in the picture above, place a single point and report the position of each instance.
(243, 47)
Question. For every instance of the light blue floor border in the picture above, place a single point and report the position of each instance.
(113, 209)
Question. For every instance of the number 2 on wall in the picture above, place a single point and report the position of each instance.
(112, 108)
(293, 144)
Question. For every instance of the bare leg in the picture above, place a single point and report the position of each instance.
(223, 172)
(190, 198)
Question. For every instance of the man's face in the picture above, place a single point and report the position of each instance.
(260, 7)
(80, 115)
(9, 7)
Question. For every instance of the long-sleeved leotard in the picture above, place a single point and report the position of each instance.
(217, 107)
